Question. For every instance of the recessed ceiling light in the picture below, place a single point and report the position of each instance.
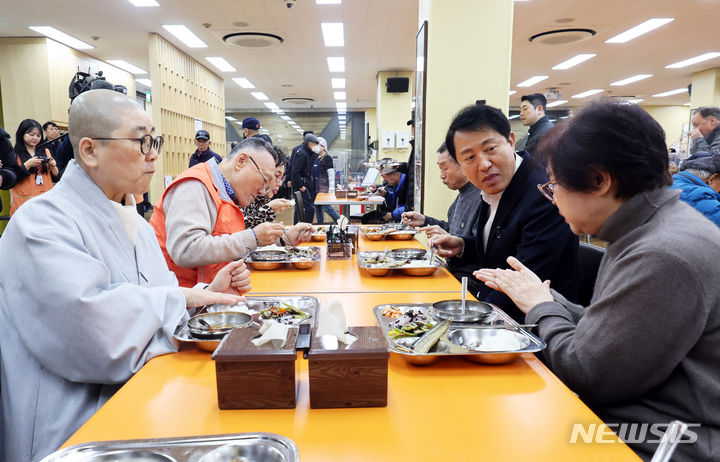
(285, 117)
(691, 61)
(532, 81)
(238, 122)
(585, 94)
(632, 79)
(62, 37)
(513, 116)
(640, 29)
(146, 82)
(337, 82)
(243, 82)
(341, 106)
(340, 95)
(328, 2)
(126, 66)
(686, 104)
(260, 95)
(336, 63)
(333, 34)
(671, 92)
(512, 92)
(221, 63)
(185, 35)
(272, 106)
(574, 61)
(144, 2)
(556, 103)
(230, 118)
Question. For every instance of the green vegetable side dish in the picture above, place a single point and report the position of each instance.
(284, 313)
(411, 329)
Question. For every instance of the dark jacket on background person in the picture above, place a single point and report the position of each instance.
(6, 151)
(711, 143)
(264, 137)
(63, 154)
(321, 182)
(535, 134)
(408, 168)
(198, 158)
(528, 227)
(301, 174)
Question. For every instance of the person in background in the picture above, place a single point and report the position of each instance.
(461, 216)
(288, 171)
(7, 176)
(321, 182)
(36, 172)
(302, 173)
(264, 208)
(203, 153)
(394, 190)
(51, 130)
(705, 135)
(85, 296)
(514, 218)
(699, 184)
(645, 351)
(199, 222)
(251, 127)
(408, 168)
(532, 114)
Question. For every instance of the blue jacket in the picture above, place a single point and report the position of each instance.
(396, 197)
(528, 227)
(699, 195)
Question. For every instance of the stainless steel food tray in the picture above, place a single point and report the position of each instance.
(266, 447)
(388, 229)
(302, 302)
(412, 265)
(445, 348)
(313, 250)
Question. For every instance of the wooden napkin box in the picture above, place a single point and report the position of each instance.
(251, 377)
(350, 376)
(352, 194)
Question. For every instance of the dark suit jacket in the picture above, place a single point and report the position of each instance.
(528, 227)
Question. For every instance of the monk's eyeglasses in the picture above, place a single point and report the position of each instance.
(147, 143)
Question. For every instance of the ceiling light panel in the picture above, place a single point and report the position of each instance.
(221, 63)
(632, 79)
(243, 82)
(337, 82)
(556, 103)
(62, 37)
(260, 95)
(272, 106)
(328, 2)
(146, 82)
(126, 66)
(574, 61)
(585, 94)
(336, 63)
(513, 116)
(340, 95)
(670, 93)
(285, 117)
(691, 61)
(640, 29)
(532, 81)
(230, 118)
(185, 35)
(512, 92)
(333, 34)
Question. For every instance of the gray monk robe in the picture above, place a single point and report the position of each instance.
(81, 310)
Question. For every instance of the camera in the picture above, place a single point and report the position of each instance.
(289, 3)
(42, 157)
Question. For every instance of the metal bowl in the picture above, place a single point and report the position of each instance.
(420, 270)
(303, 264)
(244, 452)
(268, 255)
(421, 359)
(374, 236)
(408, 254)
(402, 235)
(318, 236)
(130, 455)
(265, 265)
(474, 339)
(220, 322)
(452, 309)
(379, 271)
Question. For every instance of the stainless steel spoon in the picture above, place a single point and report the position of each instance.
(464, 281)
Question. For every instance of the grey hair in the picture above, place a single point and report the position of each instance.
(255, 145)
(708, 111)
(702, 174)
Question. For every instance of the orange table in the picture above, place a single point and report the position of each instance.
(345, 275)
(452, 410)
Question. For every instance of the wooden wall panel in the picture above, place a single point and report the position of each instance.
(183, 90)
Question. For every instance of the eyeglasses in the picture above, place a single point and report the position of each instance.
(147, 143)
(548, 190)
(264, 177)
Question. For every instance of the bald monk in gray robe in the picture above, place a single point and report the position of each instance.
(86, 297)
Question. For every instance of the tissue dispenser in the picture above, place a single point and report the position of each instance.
(252, 377)
(349, 376)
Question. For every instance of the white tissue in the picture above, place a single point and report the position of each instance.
(274, 332)
(331, 321)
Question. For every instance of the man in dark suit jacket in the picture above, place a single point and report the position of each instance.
(514, 219)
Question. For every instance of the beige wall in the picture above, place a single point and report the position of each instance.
(671, 119)
(393, 110)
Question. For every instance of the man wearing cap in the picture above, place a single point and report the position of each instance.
(203, 152)
(705, 136)
(251, 127)
(395, 191)
(699, 183)
(301, 174)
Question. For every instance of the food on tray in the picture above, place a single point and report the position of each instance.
(431, 337)
(411, 323)
(381, 259)
(391, 312)
(300, 253)
(496, 343)
(284, 313)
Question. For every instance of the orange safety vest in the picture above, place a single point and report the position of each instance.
(229, 220)
(27, 188)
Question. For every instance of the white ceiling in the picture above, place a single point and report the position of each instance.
(380, 35)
